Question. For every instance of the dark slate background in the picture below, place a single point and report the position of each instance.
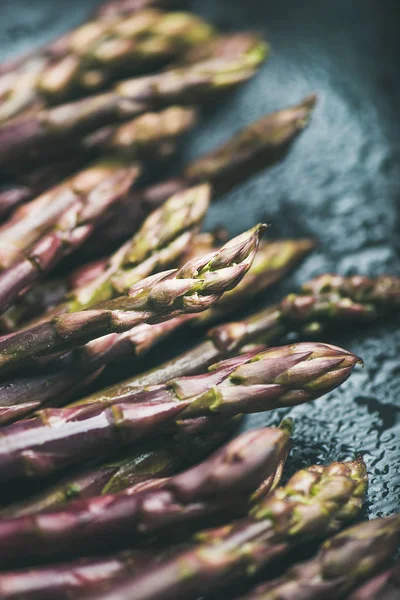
(340, 184)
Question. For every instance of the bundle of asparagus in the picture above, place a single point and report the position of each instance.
(97, 53)
(117, 456)
(313, 504)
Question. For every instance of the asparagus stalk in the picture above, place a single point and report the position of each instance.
(343, 561)
(193, 288)
(248, 383)
(48, 294)
(73, 226)
(38, 133)
(314, 503)
(190, 442)
(222, 482)
(385, 586)
(255, 147)
(70, 580)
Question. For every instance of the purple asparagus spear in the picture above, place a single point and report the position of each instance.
(221, 484)
(278, 377)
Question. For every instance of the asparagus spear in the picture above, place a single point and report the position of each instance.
(189, 442)
(78, 219)
(343, 561)
(193, 288)
(70, 580)
(273, 261)
(248, 383)
(222, 482)
(50, 293)
(385, 586)
(315, 503)
(37, 134)
(255, 147)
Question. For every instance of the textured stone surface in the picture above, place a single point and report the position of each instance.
(340, 184)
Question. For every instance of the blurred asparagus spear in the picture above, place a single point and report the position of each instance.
(314, 503)
(97, 53)
(65, 581)
(37, 134)
(343, 561)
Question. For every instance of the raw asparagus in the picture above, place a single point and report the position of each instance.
(30, 222)
(191, 442)
(315, 503)
(78, 218)
(221, 483)
(385, 586)
(278, 377)
(39, 133)
(255, 147)
(99, 52)
(193, 288)
(85, 364)
(343, 561)
(269, 326)
(66, 581)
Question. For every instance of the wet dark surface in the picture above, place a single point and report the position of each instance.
(340, 184)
